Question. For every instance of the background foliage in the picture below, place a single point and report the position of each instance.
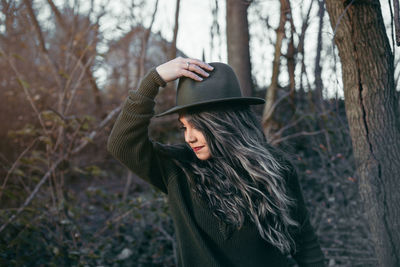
(65, 202)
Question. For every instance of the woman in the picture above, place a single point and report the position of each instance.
(234, 200)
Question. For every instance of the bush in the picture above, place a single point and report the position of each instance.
(98, 229)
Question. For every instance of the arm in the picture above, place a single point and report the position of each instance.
(308, 250)
(129, 142)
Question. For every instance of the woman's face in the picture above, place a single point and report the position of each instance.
(195, 139)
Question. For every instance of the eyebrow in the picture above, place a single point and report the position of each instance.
(181, 123)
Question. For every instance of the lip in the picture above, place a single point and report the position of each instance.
(197, 148)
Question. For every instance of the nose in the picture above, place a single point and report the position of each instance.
(190, 137)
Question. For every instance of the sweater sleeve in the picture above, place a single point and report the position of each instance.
(308, 250)
(129, 141)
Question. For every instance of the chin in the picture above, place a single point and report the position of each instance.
(203, 157)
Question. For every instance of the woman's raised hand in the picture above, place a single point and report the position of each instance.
(188, 67)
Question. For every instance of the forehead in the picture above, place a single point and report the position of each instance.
(183, 118)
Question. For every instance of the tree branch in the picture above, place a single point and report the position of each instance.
(42, 44)
(57, 162)
(15, 164)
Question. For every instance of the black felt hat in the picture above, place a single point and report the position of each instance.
(222, 86)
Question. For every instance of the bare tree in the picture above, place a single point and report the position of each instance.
(237, 35)
(215, 30)
(319, 85)
(143, 51)
(371, 109)
(269, 123)
(81, 44)
(176, 27)
(59, 134)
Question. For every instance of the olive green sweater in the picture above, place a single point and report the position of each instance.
(203, 240)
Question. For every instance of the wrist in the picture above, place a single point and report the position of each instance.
(157, 77)
(150, 83)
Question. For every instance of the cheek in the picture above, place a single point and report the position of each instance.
(202, 138)
(207, 153)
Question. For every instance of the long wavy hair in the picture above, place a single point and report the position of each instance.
(245, 176)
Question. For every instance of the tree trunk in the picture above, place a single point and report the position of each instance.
(319, 85)
(291, 61)
(143, 49)
(269, 124)
(371, 107)
(300, 50)
(176, 27)
(237, 35)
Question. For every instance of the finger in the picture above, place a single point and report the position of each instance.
(191, 75)
(185, 65)
(195, 68)
(200, 63)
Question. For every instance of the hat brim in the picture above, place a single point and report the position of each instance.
(238, 100)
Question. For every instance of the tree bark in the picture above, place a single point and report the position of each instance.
(319, 85)
(176, 27)
(300, 50)
(237, 35)
(291, 60)
(371, 109)
(268, 122)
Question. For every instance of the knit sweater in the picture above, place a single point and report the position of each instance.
(203, 240)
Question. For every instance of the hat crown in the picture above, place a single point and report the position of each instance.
(221, 86)
(222, 83)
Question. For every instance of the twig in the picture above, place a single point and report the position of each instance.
(277, 141)
(74, 136)
(294, 123)
(34, 192)
(113, 220)
(42, 45)
(274, 105)
(99, 127)
(15, 164)
(26, 90)
(73, 91)
(59, 139)
(143, 50)
(56, 163)
(145, 204)
(341, 16)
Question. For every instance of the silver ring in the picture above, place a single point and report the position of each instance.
(187, 64)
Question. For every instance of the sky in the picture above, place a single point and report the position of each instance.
(195, 22)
